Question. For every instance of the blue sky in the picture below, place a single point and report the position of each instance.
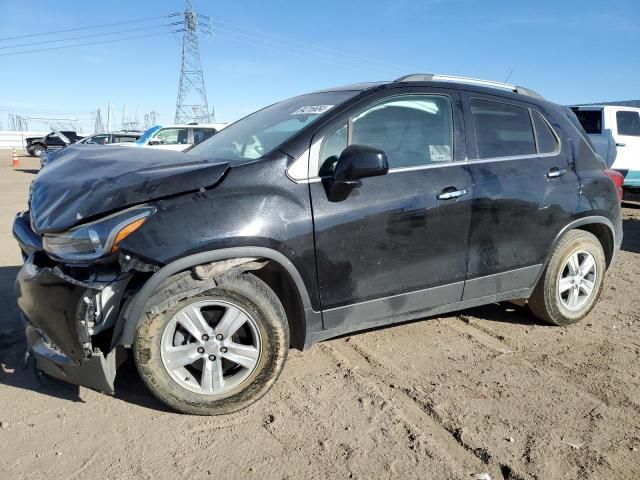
(571, 51)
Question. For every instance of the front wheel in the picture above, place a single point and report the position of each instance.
(572, 282)
(217, 352)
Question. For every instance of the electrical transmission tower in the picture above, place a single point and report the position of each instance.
(192, 105)
(98, 126)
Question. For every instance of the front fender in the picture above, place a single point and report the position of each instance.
(130, 317)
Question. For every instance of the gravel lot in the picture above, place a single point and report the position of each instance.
(489, 390)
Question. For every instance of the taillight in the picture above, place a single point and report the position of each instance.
(618, 179)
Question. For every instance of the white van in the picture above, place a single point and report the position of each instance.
(615, 132)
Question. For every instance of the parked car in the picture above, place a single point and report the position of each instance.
(615, 132)
(56, 140)
(318, 216)
(125, 136)
(177, 137)
(97, 139)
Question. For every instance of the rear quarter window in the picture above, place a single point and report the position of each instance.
(546, 139)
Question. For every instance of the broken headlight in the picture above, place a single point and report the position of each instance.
(96, 239)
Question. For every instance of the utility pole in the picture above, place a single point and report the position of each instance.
(192, 105)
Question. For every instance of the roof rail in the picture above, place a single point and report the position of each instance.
(433, 77)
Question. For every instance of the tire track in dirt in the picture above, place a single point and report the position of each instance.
(548, 365)
(439, 439)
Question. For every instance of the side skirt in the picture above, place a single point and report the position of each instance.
(366, 324)
(510, 285)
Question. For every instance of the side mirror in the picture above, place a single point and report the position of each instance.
(355, 162)
(155, 141)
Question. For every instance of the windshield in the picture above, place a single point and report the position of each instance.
(263, 131)
(147, 135)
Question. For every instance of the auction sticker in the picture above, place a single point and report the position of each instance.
(312, 110)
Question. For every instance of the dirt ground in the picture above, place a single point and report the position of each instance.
(488, 390)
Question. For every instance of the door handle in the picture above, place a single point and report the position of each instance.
(621, 144)
(556, 172)
(450, 193)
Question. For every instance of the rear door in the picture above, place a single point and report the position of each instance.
(397, 244)
(525, 190)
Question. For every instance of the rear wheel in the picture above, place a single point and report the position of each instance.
(217, 352)
(572, 282)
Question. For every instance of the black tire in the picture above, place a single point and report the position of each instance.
(37, 150)
(256, 298)
(545, 301)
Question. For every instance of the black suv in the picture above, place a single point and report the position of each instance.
(36, 146)
(323, 214)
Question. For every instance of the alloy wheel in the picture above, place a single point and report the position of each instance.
(211, 347)
(577, 280)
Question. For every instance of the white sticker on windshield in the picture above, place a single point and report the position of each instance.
(312, 110)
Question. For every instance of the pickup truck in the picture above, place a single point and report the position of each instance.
(56, 140)
(615, 133)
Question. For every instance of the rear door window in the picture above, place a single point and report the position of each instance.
(123, 139)
(99, 139)
(502, 130)
(628, 123)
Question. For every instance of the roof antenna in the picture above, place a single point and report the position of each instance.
(508, 76)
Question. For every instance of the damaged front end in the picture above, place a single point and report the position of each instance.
(71, 309)
(75, 281)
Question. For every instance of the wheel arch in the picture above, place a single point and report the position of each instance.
(599, 226)
(279, 273)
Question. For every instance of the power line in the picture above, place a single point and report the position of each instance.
(290, 52)
(299, 42)
(93, 35)
(90, 27)
(301, 51)
(90, 43)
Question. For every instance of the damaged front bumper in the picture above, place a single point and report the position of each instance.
(65, 309)
(96, 371)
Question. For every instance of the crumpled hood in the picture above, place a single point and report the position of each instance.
(87, 180)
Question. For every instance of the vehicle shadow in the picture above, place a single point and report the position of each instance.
(32, 171)
(17, 373)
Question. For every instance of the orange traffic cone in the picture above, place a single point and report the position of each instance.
(16, 162)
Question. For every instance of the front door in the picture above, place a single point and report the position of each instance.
(397, 244)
